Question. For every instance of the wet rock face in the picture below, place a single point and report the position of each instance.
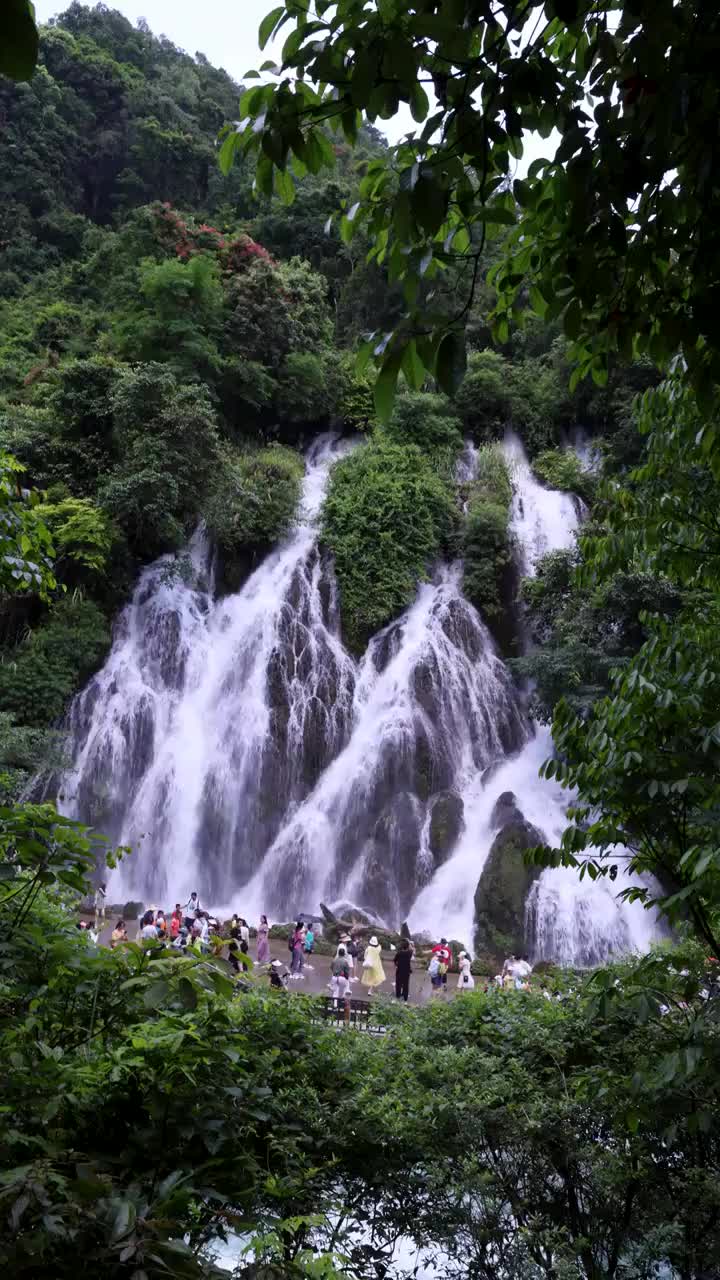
(504, 885)
(505, 811)
(446, 823)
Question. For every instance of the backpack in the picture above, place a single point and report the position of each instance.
(434, 967)
(291, 942)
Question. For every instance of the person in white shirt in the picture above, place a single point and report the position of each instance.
(190, 910)
(466, 982)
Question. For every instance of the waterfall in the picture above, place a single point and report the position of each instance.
(433, 706)
(211, 718)
(572, 921)
(542, 519)
(239, 749)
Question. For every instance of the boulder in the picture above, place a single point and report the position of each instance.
(502, 890)
(446, 823)
(505, 811)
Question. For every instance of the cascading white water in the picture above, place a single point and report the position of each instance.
(542, 519)
(240, 750)
(570, 921)
(211, 718)
(433, 706)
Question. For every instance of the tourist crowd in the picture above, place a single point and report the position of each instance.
(190, 927)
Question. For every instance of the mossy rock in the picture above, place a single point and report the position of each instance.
(446, 823)
(502, 891)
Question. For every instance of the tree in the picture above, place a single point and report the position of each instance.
(644, 759)
(613, 232)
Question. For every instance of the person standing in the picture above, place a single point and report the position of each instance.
(340, 975)
(466, 982)
(176, 922)
(403, 969)
(309, 940)
(373, 973)
(443, 955)
(190, 911)
(263, 941)
(244, 933)
(100, 897)
(119, 934)
(298, 952)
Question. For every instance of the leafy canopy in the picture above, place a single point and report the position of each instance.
(613, 232)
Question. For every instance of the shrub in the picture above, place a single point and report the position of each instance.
(255, 498)
(38, 678)
(562, 469)
(486, 542)
(387, 515)
(302, 392)
(428, 421)
(482, 399)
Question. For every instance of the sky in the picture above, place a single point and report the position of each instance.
(226, 32)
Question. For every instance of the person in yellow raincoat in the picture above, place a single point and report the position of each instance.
(373, 974)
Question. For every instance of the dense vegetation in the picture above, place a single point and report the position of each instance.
(169, 344)
(148, 1113)
(168, 340)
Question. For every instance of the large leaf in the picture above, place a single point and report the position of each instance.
(18, 40)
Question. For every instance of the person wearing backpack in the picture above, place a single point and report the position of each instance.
(340, 975)
(296, 944)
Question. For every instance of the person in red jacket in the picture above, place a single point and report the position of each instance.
(444, 957)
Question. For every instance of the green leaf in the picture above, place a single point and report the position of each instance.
(419, 103)
(18, 40)
(451, 362)
(227, 152)
(386, 386)
(268, 24)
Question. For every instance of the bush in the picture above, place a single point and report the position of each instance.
(302, 392)
(387, 515)
(428, 421)
(562, 469)
(255, 498)
(482, 399)
(486, 542)
(38, 678)
(527, 395)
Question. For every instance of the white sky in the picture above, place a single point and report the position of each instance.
(226, 32)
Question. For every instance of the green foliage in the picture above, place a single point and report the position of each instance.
(614, 249)
(302, 391)
(487, 548)
(26, 547)
(24, 754)
(81, 534)
(562, 469)
(427, 421)
(168, 438)
(180, 317)
(39, 677)
(141, 1040)
(526, 395)
(482, 399)
(18, 40)
(254, 498)
(387, 516)
(644, 761)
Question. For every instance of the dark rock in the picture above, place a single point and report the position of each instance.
(502, 891)
(505, 811)
(446, 823)
(404, 930)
